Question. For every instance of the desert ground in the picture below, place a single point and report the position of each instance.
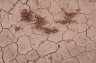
(47, 31)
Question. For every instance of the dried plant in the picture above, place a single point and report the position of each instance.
(70, 14)
(39, 22)
(62, 22)
(50, 30)
(68, 18)
(17, 28)
(26, 15)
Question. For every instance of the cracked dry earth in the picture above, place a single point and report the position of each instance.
(22, 42)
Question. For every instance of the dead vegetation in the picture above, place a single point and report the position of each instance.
(50, 30)
(17, 28)
(26, 15)
(70, 14)
(39, 22)
(68, 18)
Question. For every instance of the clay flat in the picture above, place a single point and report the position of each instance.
(47, 31)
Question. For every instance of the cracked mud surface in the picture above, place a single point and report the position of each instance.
(26, 38)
